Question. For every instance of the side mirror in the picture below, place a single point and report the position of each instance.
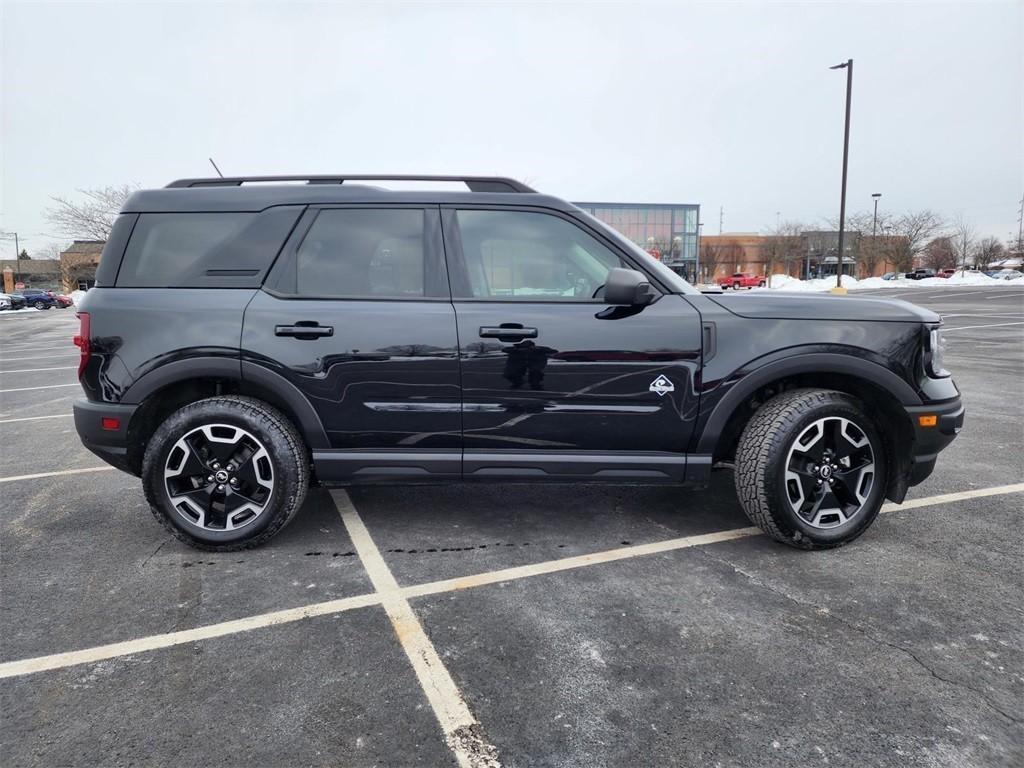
(628, 287)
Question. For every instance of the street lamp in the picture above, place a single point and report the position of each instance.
(848, 66)
(874, 228)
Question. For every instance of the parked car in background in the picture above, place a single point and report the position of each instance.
(741, 280)
(1006, 274)
(63, 302)
(946, 273)
(14, 301)
(38, 298)
(5, 303)
(920, 274)
(890, 276)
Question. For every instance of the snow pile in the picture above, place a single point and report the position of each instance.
(786, 283)
(77, 296)
(7, 312)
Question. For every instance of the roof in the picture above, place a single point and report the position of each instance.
(257, 197)
(32, 266)
(85, 246)
(255, 193)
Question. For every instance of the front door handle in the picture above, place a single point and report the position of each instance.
(507, 332)
(306, 330)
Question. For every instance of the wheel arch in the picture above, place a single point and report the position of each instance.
(882, 391)
(169, 387)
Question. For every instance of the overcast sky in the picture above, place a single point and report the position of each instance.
(721, 105)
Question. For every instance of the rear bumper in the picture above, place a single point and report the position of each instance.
(929, 441)
(111, 445)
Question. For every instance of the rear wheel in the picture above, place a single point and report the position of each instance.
(41, 305)
(811, 469)
(225, 473)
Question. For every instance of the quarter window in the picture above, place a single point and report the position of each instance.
(363, 253)
(173, 250)
(524, 256)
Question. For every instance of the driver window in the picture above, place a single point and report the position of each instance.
(524, 256)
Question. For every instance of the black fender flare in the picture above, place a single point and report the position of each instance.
(818, 362)
(309, 424)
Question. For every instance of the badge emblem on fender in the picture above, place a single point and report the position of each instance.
(662, 385)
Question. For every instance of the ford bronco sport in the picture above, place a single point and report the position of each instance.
(247, 339)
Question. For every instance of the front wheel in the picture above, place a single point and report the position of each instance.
(225, 473)
(811, 469)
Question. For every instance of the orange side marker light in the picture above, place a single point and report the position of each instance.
(927, 421)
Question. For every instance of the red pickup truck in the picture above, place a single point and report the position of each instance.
(741, 280)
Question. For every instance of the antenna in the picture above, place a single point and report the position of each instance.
(215, 167)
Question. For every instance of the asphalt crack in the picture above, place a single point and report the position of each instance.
(825, 611)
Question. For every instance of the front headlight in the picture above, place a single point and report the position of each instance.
(935, 354)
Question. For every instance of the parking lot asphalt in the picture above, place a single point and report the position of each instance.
(569, 625)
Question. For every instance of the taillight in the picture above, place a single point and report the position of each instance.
(82, 341)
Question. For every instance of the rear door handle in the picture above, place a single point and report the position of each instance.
(507, 332)
(306, 330)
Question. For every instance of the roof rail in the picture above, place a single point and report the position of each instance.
(475, 183)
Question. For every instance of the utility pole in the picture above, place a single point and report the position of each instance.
(721, 216)
(1020, 228)
(848, 66)
(17, 256)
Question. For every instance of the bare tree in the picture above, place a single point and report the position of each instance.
(90, 218)
(940, 253)
(716, 255)
(783, 247)
(871, 248)
(76, 267)
(911, 232)
(989, 250)
(963, 238)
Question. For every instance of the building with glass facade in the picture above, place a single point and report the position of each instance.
(665, 230)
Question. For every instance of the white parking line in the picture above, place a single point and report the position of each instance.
(46, 386)
(37, 475)
(36, 357)
(36, 348)
(972, 327)
(1007, 295)
(958, 294)
(37, 418)
(40, 370)
(155, 642)
(461, 729)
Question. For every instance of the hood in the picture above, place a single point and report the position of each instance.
(801, 306)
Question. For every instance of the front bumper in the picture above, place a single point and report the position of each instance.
(930, 440)
(111, 445)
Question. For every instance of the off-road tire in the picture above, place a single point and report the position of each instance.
(760, 466)
(285, 447)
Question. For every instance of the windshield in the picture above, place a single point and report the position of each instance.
(670, 279)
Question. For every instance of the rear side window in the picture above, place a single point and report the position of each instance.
(363, 253)
(204, 250)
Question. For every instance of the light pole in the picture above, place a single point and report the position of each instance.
(848, 66)
(874, 229)
(700, 231)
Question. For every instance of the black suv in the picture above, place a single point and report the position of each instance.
(246, 339)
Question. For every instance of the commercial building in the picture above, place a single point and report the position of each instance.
(811, 254)
(667, 231)
(78, 264)
(30, 273)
